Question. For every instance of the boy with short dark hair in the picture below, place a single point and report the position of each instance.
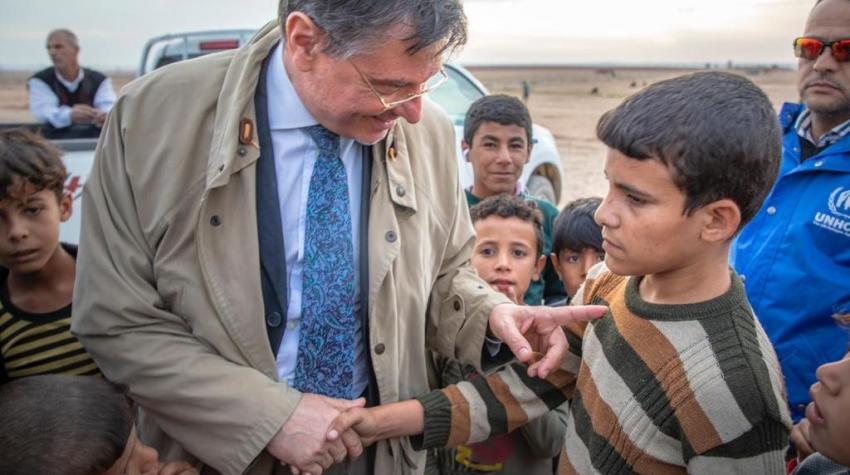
(37, 273)
(69, 425)
(497, 141)
(576, 244)
(507, 255)
(678, 376)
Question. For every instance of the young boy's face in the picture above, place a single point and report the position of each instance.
(505, 255)
(644, 227)
(829, 411)
(572, 266)
(29, 228)
(497, 154)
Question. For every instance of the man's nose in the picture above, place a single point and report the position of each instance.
(411, 110)
(825, 62)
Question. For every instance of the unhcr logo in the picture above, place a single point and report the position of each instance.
(838, 219)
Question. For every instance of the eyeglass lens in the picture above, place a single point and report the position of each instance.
(811, 48)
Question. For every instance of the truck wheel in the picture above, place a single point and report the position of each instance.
(540, 187)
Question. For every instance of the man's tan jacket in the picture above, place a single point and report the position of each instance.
(168, 298)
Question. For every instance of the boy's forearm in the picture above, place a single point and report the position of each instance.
(399, 419)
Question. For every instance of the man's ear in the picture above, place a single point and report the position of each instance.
(464, 149)
(303, 40)
(66, 207)
(722, 218)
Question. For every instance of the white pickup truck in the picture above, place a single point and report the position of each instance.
(542, 176)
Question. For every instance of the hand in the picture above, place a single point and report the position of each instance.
(530, 330)
(99, 118)
(82, 114)
(360, 420)
(800, 438)
(395, 419)
(301, 443)
(176, 468)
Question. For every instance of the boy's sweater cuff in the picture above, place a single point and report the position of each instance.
(437, 416)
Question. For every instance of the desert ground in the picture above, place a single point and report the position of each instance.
(567, 100)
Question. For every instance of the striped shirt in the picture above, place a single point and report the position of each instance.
(33, 344)
(804, 130)
(654, 389)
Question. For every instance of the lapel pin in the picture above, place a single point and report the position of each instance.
(246, 132)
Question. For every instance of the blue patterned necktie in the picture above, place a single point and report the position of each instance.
(325, 362)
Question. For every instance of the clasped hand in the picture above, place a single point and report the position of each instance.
(323, 431)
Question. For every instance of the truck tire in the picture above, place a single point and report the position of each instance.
(540, 187)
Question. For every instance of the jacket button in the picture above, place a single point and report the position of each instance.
(274, 319)
(771, 210)
(379, 349)
(215, 220)
(457, 306)
(241, 151)
(400, 191)
(391, 236)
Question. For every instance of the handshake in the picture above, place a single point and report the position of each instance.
(324, 431)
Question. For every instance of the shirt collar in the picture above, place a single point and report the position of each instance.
(803, 125)
(286, 111)
(71, 85)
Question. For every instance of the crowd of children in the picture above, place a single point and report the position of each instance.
(678, 376)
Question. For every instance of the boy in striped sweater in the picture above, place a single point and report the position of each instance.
(36, 270)
(678, 376)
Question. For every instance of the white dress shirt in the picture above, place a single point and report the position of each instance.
(44, 104)
(295, 155)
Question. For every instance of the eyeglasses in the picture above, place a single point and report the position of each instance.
(811, 48)
(399, 97)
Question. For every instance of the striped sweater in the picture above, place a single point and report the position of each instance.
(32, 344)
(654, 389)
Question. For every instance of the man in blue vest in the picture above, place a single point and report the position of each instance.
(795, 254)
(65, 93)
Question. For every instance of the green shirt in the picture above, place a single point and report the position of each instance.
(549, 287)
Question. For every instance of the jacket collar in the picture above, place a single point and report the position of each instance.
(394, 153)
(788, 115)
(230, 153)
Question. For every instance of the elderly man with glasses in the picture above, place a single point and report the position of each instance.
(795, 254)
(275, 234)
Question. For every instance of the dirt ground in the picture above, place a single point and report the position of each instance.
(567, 100)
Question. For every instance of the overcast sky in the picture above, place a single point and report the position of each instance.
(112, 32)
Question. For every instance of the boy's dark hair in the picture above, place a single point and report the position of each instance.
(510, 206)
(575, 229)
(62, 424)
(27, 159)
(716, 132)
(499, 108)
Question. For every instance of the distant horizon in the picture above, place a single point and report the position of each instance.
(666, 33)
(20, 69)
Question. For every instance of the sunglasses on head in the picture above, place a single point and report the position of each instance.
(811, 48)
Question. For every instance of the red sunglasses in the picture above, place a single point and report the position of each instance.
(811, 48)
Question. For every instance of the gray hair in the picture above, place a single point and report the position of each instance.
(356, 26)
(72, 38)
